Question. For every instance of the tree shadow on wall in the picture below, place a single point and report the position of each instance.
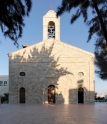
(42, 68)
(81, 94)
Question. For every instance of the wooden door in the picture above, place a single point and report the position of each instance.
(51, 94)
(22, 95)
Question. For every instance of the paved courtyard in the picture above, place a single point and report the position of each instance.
(54, 114)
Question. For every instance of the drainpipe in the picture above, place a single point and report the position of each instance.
(0, 100)
(89, 82)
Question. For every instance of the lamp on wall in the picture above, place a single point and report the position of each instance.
(60, 93)
(57, 84)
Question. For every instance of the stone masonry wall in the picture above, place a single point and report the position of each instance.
(51, 63)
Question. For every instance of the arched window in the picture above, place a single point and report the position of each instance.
(51, 29)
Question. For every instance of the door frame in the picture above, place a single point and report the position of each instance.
(54, 99)
(23, 91)
(81, 90)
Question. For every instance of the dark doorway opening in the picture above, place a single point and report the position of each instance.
(80, 95)
(22, 95)
(51, 94)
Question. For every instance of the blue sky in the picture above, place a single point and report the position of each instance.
(75, 35)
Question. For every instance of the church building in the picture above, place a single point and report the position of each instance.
(51, 71)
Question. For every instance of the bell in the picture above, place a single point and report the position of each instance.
(49, 30)
(53, 29)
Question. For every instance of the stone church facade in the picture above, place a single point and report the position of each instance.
(51, 71)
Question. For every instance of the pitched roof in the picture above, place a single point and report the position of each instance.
(56, 42)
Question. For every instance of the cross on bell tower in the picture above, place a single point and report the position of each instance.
(51, 6)
(51, 25)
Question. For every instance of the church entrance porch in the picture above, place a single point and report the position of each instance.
(51, 94)
(80, 95)
(22, 95)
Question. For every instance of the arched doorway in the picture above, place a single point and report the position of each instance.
(80, 95)
(22, 95)
(51, 94)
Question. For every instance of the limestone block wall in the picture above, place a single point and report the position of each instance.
(49, 64)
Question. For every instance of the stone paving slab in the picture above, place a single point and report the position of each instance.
(53, 114)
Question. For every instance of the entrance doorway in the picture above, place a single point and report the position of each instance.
(22, 95)
(80, 95)
(51, 94)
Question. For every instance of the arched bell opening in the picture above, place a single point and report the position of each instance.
(80, 95)
(51, 29)
(51, 94)
(22, 95)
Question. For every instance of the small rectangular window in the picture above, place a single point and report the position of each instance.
(5, 83)
(1, 83)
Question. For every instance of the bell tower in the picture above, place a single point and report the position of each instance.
(51, 26)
